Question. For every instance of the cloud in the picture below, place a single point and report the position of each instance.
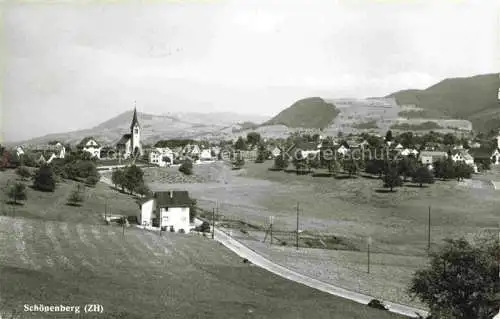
(89, 63)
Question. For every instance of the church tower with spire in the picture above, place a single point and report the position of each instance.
(135, 134)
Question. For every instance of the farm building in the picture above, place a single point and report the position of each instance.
(167, 209)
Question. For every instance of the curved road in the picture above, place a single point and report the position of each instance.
(265, 263)
(245, 252)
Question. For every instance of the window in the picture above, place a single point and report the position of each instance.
(136, 130)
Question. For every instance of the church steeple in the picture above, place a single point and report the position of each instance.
(134, 120)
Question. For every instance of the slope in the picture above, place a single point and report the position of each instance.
(469, 98)
(313, 112)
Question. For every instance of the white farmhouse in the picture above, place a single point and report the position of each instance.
(161, 156)
(167, 209)
(90, 145)
(206, 155)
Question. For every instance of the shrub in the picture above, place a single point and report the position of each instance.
(186, 167)
(182, 231)
(172, 230)
(17, 192)
(75, 198)
(23, 172)
(44, 179)
(204, 227)
(91, 181)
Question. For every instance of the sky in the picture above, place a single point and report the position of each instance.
(72, 66)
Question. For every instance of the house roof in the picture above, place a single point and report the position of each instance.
(172, 199)
(86, 140)
(134, 120)
(433, 154)
(481, 152)
(124, 139)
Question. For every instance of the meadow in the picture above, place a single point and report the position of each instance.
(352, 210)
(57, 254)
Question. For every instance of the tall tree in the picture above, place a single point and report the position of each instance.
(23, 172)
(240, 144)
(388, 136)
(17, 191)
(186, 167)
(462, 170)
(280, 162)
(391, 177)
(461, 280)
(300, 163)
(350, 166)
(44, 179)
(118, 178)
(450, 139)
(133, 178)
(423, 176)
(407, 167)
(253, 138)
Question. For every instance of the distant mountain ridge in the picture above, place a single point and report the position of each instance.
(154, 127)
(472, 98)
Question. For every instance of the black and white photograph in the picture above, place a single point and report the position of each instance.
(250, 159)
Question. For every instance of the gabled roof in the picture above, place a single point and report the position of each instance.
(124, 139)
(86, 140)
(172, 199)
(481, 152)
(135, 121)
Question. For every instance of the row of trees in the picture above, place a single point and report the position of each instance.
(394, 171)
(130, 179)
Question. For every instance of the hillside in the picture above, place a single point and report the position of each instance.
(156, 127)
(311, 112)
(56, 254)
(469, 98)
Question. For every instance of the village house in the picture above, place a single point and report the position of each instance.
(215, 151)
(130, 143)
(162, 157)
(343, 149)
(408, 152)
(90, 145)
(44, 153)
(307, 149)
(191, 150)
(462, 156)
(169, 210)
(430, 157)
(206, 155)
(275, 152)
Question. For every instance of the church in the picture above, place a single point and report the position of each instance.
(130, 144)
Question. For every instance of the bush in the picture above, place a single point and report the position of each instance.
(23, 172)
(17, 192)
(91, 181)
(75, 198)
(204, 227)
(182, 231)
(172, 229)
(44, 179)
(186, 167)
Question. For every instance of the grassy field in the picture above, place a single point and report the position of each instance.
(352, 210)
(56, 254)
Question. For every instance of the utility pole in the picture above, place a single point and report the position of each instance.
(213, 223)
(429, 232)
(271, 229)
(297, 234)
(369, 244)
